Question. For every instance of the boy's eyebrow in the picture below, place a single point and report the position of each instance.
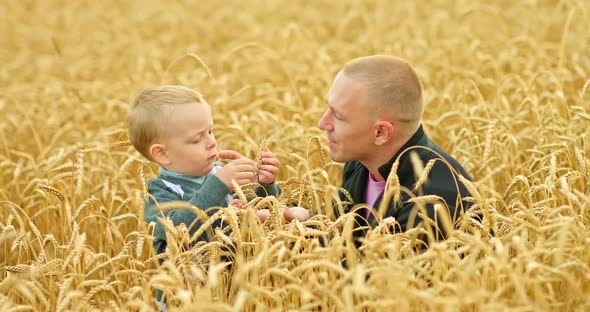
(203, 130)
(198, 133)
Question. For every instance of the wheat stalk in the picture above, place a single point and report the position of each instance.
(52, 191)
(79, 170)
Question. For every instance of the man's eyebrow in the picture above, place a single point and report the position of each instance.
(334, 110)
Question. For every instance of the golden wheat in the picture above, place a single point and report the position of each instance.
(506, 87)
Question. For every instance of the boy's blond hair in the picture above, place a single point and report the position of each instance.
(148, 112)
(392, 86)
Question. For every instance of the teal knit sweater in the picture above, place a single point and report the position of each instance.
(203, 192)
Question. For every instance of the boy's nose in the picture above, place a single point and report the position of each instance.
(212, 141)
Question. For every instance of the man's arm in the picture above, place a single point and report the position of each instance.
(411, 214)
(442, 182)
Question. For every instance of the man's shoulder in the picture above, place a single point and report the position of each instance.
(450, 161)
(443, 179)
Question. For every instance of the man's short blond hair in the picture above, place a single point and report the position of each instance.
(392, 87)
(146, 119)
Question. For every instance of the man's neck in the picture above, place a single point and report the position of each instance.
(382, 155)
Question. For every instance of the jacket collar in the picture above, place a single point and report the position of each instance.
(418, 138)
(167, 173)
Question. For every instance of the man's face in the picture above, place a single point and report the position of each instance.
(189, 140)
(348, 126)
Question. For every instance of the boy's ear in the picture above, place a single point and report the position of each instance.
(383, 132)
(159, 154)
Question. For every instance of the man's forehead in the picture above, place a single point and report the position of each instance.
(343, 91)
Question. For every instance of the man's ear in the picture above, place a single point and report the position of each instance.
(159, 154)
(383, 132)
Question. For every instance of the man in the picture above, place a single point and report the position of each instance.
(374, 117)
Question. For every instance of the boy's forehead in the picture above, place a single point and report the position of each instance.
(192, 112)
(188, 119)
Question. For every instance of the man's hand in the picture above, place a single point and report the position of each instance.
(296, 213)
(269, 167)
(240, 169)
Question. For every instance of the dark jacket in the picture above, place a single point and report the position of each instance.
(441, 181)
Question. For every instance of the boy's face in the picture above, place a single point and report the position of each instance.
(189, 141)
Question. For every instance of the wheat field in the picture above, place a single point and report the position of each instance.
(507, 88)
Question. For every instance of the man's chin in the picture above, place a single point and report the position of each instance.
(336, 157)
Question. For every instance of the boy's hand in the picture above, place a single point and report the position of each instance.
(240, 169)
(237, 203)
(262, 214)
(269, 167)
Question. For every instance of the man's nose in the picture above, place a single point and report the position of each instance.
(323, 122)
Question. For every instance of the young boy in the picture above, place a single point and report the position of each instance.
(173, 126)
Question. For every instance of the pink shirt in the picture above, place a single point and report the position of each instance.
(374, 189)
